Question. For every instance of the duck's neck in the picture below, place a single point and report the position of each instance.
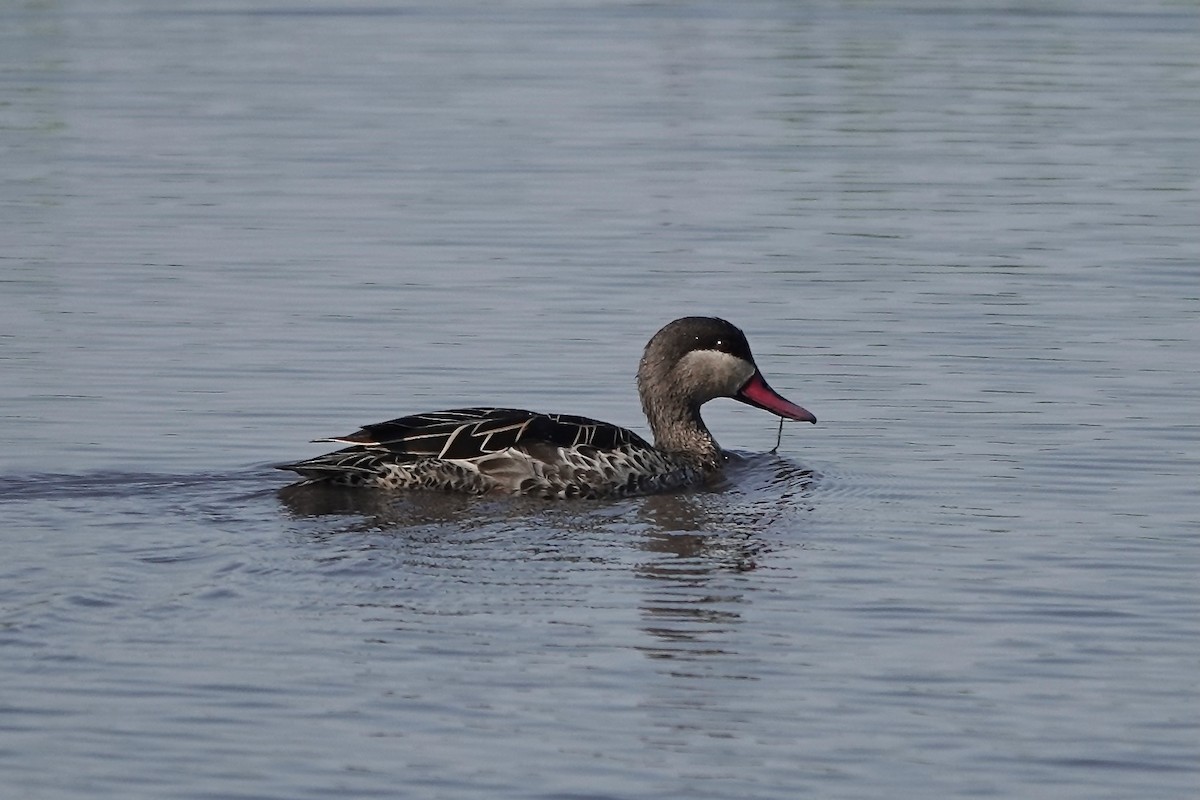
(679, 430)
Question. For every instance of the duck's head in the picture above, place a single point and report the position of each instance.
(696, 359)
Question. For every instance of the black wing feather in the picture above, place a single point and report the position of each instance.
(466, 433)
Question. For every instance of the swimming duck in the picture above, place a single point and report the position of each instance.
(510, 451)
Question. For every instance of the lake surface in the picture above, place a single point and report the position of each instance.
(966, 236)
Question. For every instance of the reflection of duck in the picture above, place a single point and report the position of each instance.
(480, 450)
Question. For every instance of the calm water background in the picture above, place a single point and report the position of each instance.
(966, 235)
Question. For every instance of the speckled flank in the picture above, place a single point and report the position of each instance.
(564, 473)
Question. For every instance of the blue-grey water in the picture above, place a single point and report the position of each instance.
(966, 235)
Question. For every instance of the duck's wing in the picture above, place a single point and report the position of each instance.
(480, 450)
(467, 434)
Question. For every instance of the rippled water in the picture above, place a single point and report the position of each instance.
(965, 236)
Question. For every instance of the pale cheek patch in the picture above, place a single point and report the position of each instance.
(719, 373)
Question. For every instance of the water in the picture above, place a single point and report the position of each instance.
(964, 235)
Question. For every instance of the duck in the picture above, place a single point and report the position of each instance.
(509, 451)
